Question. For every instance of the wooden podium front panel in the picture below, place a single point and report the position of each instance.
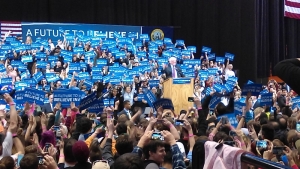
(179, 94)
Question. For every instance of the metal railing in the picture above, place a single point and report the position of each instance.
(261, 163)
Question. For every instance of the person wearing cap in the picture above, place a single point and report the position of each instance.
(172, 70)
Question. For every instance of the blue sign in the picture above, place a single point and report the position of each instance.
(65, 97)
(214, 102)
(30, 95)
(140, 97)
(220, 59)
(6, 81)
(266, 99)
(149, 97)
(164, 103)
(182, 81)
(38, 77)
(154, 83)
(296, 102)
(254, 89)
(238, 108)
(88, 101)
(51, 30)
(96, 108)
(229, 56)
(206, 49)
(231, 118)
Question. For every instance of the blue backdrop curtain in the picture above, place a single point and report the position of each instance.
(254, 30)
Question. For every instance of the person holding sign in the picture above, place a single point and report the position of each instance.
(172, 70)
(228, 70)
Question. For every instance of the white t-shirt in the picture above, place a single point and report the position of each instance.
(229, 73)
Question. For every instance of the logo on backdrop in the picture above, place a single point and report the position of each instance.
(157, 34)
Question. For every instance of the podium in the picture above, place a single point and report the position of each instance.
(178, 90)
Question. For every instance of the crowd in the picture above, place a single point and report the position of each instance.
(130, 134)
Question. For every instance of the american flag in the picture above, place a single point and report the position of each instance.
(14, 27)
(292, 9)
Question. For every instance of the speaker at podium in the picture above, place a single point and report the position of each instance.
(178, 90)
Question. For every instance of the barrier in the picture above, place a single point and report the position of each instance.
(260, 163)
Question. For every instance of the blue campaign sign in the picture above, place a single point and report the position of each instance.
(206, 49)
(214, 101)
(211, 56)
(140, 97)
(115, 80)
(149, 97)
(21, 85)
(218, 88)
(97, 77)
(296, 102)
(6, 81)
(220, 59)
(51, 30)
(38, 76)
(164, 103)
(26, 59)
(102, 62)
(83, 75)
(238, 108)
(192, 49)
(231, 118)
(266, 99)
(252, 88)
(213, 70)
(179, 42)
(30, 95)
(233, 78)
(96, 108)
(65, 97)
(229, 56)
(192, 62)
(88, 83)
(88, 101)
(153, 83)
(41, 64)
(74, 67)
(108, 102)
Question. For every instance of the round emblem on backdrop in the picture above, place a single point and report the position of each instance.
(157, 34)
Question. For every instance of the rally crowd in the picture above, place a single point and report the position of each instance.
(130, 134)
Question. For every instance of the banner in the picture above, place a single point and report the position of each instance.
(65, 97)
(158, 33)
(88, 101)
(30, 95)
(55, 31)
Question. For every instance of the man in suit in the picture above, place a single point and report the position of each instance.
(282, 100)
(172, 70)
(48, 107)
(126, 111)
